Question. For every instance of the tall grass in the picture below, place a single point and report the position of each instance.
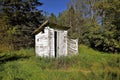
(87, 65)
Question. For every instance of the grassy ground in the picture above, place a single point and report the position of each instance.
(87, 65)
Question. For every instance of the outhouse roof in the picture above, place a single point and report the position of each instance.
(51, 25)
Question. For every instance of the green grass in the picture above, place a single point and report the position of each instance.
(87, 65)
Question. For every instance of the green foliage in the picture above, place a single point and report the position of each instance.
(87, 65)
(5, 36)
(21, 12)
(19, 19)
(95, 23)
(109, 38)
(52, 18)
(81, 17)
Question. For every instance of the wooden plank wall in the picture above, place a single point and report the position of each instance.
(72, 46)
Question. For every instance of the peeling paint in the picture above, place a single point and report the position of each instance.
(45, 43)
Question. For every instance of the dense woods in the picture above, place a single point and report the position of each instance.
(18, 18)
(96, 23)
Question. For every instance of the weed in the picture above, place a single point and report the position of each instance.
(87, 65)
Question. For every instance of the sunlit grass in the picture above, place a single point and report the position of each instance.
(87, 65)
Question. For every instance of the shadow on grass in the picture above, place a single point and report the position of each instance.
(7, 58)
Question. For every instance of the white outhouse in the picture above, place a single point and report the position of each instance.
(51, 40)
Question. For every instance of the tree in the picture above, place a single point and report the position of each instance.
(5, 44)
(94, 22)
(23, 16)
(21, 11)
(53, 18)
(72, 19)
(109, 39)
(80, 16)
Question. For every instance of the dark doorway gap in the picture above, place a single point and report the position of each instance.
(55, 42)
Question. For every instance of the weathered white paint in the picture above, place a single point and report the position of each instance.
(62, 43)
(53, 41)
(72, 46)
(44, 42)
(41, 43)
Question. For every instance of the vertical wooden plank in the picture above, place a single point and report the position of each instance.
(42, 46)
(51, 36)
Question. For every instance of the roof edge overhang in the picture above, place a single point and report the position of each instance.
(51, 25)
